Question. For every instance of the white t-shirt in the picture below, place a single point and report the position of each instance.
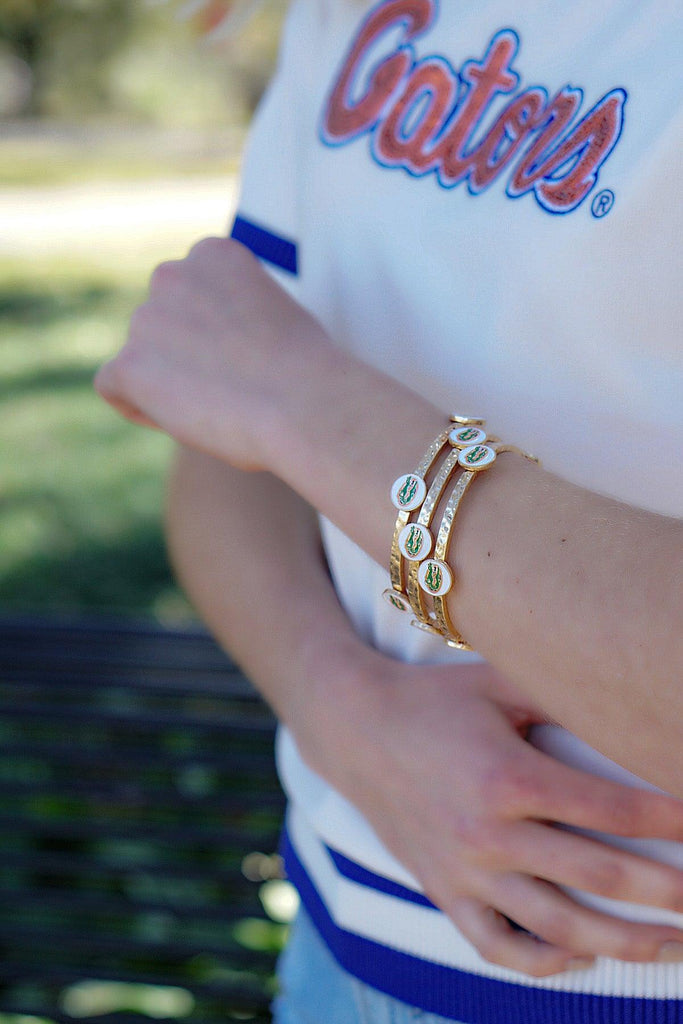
(483, 200)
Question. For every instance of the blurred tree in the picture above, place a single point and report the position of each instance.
(83, 34)
(128, 57)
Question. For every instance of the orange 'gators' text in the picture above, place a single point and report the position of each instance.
(422, 114)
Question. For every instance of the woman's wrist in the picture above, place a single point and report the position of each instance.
(335, 703)
(345, 436)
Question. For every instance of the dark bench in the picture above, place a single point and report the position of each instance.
(139, 815)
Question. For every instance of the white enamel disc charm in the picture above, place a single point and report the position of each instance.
(408, 492)
(415, 542)
(479, 456)
(397, 600)
(435, 577)
(466, 437)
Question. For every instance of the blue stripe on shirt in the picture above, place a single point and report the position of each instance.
(458, 995)
(265, 244)
(349, 869)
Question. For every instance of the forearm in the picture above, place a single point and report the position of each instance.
(247, 551)
(573, 596)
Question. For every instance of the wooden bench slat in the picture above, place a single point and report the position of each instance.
(112, 642)
(65, 753)
(112, 870)
(244, 988)
(146, 796)
(221, 1016)
(120, 907)
(72, 940)
(172, 680)
(211, 835)
(158, 720)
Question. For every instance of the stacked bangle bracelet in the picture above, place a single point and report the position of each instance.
(407, 494)
(422, 524)
(467, 447)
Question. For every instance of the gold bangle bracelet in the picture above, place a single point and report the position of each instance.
(442, 619)
(408, 493)
(396, 595)
(424, 520)
(429, 573)
(436, 575)
(474, 461)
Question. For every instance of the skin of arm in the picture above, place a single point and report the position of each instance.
(572, 596)
(391, 737)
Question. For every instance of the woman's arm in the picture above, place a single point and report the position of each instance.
(574, 597)
(392, 737)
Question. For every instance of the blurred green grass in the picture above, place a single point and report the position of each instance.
(81, 490)
(99, 156)
(118, 93)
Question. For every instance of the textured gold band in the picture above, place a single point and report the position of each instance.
(425, 517)
(442, 619)
(424, 466)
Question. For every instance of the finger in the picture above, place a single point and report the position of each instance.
(224, 259)
(592, 866)
(573, 797)
(175, 287)
(547, 912)
(166, 277)
(500, 943)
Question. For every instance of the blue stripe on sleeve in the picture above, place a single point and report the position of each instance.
(265, 244)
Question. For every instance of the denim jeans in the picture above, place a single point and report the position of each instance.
(314, 989)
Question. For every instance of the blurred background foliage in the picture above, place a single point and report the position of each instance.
(120, 137)
(128, 59)
(117, 122)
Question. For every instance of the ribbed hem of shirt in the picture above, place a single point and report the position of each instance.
(461, 995)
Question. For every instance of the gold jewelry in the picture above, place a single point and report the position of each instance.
(413, 541)
(423, 522)
(442, 619)
(435, 576)
(466, 421)
(466, 433)
(474, 460)
(407, 494)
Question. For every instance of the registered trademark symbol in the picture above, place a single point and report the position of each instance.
(603, 203)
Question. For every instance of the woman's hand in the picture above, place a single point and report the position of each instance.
(215, 355)
(445, 777)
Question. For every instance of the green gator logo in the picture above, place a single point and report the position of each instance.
(414, 542)
(408, 491)
(468, 434)
(476, 455)
(433, 578)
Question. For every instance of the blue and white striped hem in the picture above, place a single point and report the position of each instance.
(362, 918)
